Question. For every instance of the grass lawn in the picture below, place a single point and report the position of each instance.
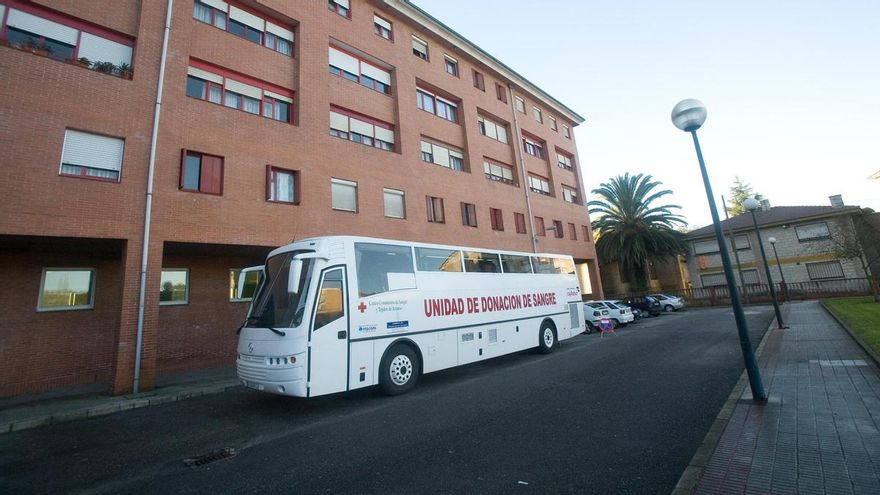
(862, 315)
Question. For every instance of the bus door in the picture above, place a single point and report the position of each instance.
(328, 338)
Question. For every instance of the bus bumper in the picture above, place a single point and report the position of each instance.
(288, 380)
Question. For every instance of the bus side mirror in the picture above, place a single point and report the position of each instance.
(295, 276)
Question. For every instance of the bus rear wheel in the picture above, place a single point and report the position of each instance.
(546, 338)
(399, 370)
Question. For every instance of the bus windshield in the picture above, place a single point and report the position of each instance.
(274, 306)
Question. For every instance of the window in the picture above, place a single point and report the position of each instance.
(533, 147)
(501, 93)
(812, 232)
(341, 7)
(437, 105)
(91, 156)
(382, 28)
(569, 194)
(520, 104)
(435, 210)
(713, 280)
(520, 220)
(566, 131)
(237, 91)
(66, 289)
(451, 66)
(557, 229)
(539, 185)
(344, 195)
(475, 261)
(468, 215)
(345, 124)
(174, 286)
(479, 83)
(442, 155)
(825, 270)
(497, 218)
(395, 206)
(420, 48)
(563, 159)
(251, 281)
(539, 226)
(244, 24)
(706, 247)
(572, 231)
(360, 71)
(586, 231)
(553, 123)
(512, 263)
(492, 129)
(383, 267)
(330, 300)
(498, 172)
(201, 173)
(536, 112)
(438, 260)
(282, 185)
(60, 39)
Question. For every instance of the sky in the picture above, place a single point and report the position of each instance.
(792, 89)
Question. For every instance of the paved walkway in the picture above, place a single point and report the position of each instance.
(818, 432)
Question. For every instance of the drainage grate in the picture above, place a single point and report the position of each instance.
(210, 457)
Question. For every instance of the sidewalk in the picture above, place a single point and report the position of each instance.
(818, 432)
(57, 410)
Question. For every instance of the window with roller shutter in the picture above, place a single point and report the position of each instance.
(352, 126)
(354, 68)
(91, 156)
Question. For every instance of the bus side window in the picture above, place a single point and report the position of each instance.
(383, 267)
(330, 307)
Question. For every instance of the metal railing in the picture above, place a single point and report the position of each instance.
(760, 293)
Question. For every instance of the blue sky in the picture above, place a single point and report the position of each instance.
(792, 88)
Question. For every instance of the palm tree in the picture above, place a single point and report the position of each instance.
(630, 230)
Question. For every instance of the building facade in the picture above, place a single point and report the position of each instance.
(149, 155)
(810, 241)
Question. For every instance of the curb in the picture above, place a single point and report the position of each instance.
(865, 347)
(114, 405)
(692, 474)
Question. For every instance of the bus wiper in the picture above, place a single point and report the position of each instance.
(246, 320)
(279, 332)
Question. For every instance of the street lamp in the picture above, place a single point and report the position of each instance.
(689, 115)
(772, 241)
(753, 204)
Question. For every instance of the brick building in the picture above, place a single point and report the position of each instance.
(278, 120)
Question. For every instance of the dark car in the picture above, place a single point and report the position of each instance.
(646, 304)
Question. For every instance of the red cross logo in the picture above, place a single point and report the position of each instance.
(362, 307)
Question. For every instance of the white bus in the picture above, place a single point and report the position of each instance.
(338, 313)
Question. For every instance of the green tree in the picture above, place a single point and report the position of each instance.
(630, 230)
(739, 192)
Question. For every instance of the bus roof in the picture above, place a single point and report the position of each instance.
(318, 243)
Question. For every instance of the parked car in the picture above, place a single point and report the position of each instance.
(669, 303)
(593, 312)
(620, 313)
(647, 304)
(636, 312)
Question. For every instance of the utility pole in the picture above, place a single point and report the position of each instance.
(742, 280)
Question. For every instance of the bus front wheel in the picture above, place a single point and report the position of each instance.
(547, 338)
(399, 370)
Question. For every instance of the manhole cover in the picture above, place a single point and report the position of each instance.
(210, 457)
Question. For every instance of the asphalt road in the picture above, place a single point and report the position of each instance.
(616, 414)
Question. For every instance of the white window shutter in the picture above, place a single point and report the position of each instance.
(92, 150)
(279, 31)
(382, 22)
(247, 18)
(217, 4)
(427, 147)
(277, 96)
(99, 49)
(384, 134)
(361, 127)
(203, 74)
(344, 61)
(376, 73)
(43, 27)
(338, 121)
(343, 3)
(441, 156)
(245, 89)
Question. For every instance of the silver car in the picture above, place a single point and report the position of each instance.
(619, 313)
(669, 303)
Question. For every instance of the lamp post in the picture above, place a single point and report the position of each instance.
(753, 204)
(772, 241)
(689, 115)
